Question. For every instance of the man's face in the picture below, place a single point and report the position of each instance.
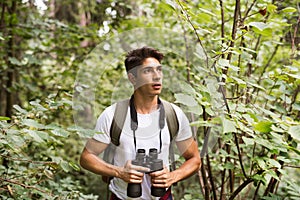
(148, 78)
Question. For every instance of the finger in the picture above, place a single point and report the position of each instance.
(136, 173)
(135, 179)
(161, 185)
(159, 173)
(140, 168)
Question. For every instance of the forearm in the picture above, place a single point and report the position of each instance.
(188, 168)
(192, 160)
(96, 165)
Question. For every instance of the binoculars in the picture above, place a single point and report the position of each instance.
(150, 161)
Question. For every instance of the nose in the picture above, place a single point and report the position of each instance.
(157, 74)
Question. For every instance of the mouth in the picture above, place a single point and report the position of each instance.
(156, 86)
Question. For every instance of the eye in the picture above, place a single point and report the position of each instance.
(147, 70)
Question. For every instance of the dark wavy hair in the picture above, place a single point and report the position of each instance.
(136, 57)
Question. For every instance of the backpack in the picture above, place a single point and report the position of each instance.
(118, 123)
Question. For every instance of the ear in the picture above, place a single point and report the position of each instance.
(131, 78)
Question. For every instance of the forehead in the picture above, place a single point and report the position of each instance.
(151, 62)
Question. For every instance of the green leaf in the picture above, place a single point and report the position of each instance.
(229, 166)
(2, 118)
(171, 4)
(248, 141)
(195, 109)
(265, 143)
(65, 166)
(32, 123)
(273, 174)
(239, 81)
(261, 163)
(14, 61)
(187, 88)
(74, 166)
(289, 9)
(257, 86)
(34, 135)
(294, 131)
(60, 132)
(260, 178)
(228, 126)
(21, 110)
(263, 126)
(274, 163)
(83, 132)
(207, 12)
(185, 99)
(38, 106)
(259, 25)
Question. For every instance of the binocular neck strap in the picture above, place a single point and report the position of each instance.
(134, 120)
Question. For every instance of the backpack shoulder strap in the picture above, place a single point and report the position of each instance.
(173, 127)
(172, 119)
(118, 121)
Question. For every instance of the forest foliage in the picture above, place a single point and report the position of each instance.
(233, 66)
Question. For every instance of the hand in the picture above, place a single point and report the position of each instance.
(133, 173)
(163, 178)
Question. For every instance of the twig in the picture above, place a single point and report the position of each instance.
(233, 33)
(222, 24)
(24, 186)
(195, 31)
(30, 161)
(291, 166)
(248, 10)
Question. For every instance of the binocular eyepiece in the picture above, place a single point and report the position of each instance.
(152, 162)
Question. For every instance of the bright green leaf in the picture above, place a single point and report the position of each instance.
(263, 126)
(2, 118)
(74, 166)
(289, 9)
(271, 8)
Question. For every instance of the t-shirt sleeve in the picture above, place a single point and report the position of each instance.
(103, 125)
(185, 131)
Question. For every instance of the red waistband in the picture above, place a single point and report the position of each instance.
(166, 196)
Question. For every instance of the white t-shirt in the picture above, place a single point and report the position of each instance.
(147, 136)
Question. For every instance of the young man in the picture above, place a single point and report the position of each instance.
(145, 73)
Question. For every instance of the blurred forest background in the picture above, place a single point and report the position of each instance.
(241, 87)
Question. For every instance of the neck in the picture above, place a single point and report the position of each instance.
(145, 104)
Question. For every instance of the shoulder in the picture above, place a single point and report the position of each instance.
(176, 108)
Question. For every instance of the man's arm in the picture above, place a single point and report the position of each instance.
(89, 160)
(189, 150)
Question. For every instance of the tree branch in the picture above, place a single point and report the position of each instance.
(240, 188)
(233, 34)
